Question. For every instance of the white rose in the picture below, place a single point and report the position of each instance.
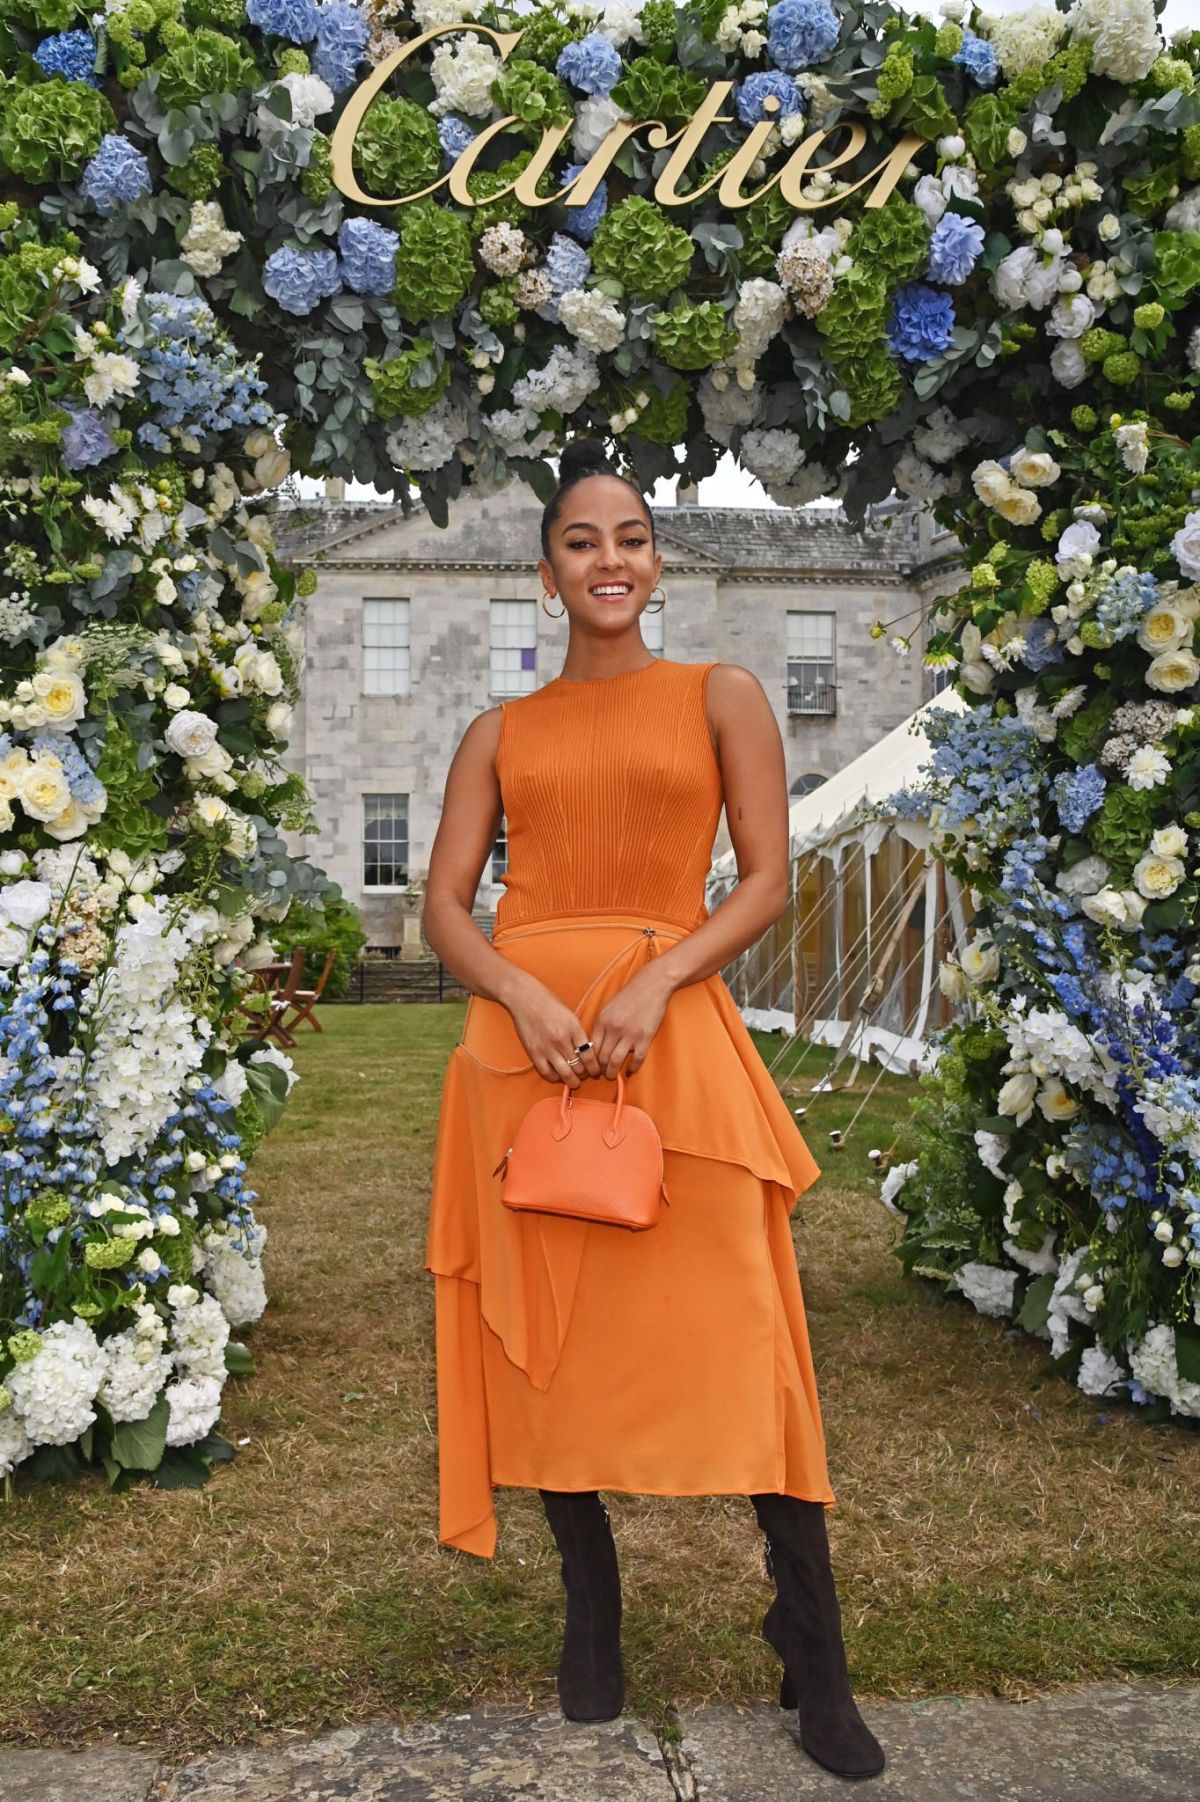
(1055, 1102)
(1164, 629)
(271, 468)
(213, 762)
(952, 982)
(1156, 876)
(175, 695)
(1033, 469)
(62, 696)
(208, 809)
(25, 903)
(1173, 671)
(191, 734)
(1016, 1097)
(1170, 841)
(279, 719)
(1186, 546)
(980, 960)
(45, 791)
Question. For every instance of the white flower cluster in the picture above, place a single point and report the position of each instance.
(589, 315)
(232, 1276)
(110, 372)
(310, 98)
(463, 70)
(988, 1287)
(1026, 39)
(773, 455)
(503, 248)
(53, 698)
(199, 1333)
(757, 316)
(136, 1365)
(1048, 1050)
(52, 1392)
(1123, 35)
(208, 239)
(739, 28)
(1153, 1364)
(428, 440)
(727, 405)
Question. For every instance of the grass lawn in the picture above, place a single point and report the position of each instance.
(995, 1530)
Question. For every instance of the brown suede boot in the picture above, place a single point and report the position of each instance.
(591, 1680)
(804, 1625)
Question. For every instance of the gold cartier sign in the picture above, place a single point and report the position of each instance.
(577, 193)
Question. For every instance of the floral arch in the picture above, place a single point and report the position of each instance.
(956, 258)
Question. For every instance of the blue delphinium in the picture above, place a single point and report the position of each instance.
(455, 134)
(1124, 601)
(921, 324)
(983, 768)
(116, 175)
(754, 90)
(568, 265)
(583, 220)
(341, 40)
(71, 54)
(295, 20)
(591, 64)
(1077, 795)
(1100, 1153)
(954, 248)
(300, 279)
(85, 439)
(801, 33)
(368, 256)
(978, 59)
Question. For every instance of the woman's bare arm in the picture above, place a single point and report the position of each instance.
(754, 777)
(472, 809)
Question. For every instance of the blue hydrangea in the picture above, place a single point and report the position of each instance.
(754, 90)
(921, 323)
(1110, 1166)
(1041, 644)
(341, 40)
(1077, 795)
(191, 375)
(71, 54)
(455, 134)
(300, 279)
(568, 265)
(1124, 601)
(591, 64)
(954, 249)
(85, 439)
(978, 59)
(368, 256)
(583, 220)
(117, 175)
(295, 20)
(86, 787)
(801, 33)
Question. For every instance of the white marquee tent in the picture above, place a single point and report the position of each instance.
(853, 962)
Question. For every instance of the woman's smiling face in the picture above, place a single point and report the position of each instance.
(602, 557)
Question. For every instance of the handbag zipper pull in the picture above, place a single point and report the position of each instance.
(501, 1169)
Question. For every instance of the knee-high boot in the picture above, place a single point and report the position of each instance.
(804, 1625)
(590, 1677)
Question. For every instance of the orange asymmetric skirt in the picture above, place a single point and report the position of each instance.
(573, 1355)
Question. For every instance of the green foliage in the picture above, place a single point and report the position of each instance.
(409, 383)
(337, 926)
(53, 129)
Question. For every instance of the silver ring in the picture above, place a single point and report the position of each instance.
(574, 1060)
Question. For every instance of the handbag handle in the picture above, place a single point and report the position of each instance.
(613, 1133)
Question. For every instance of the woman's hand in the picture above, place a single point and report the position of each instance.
(624, 1028)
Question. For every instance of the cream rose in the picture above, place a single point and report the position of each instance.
(1018, 506)
(191, 734)
(1054, 1100)
(1033, 469)
(73, 821)
(980, 960)
(12, 772)
(1172, 672)
(45, 792)
(952, 982)
(209, 809)
(1170, 841)
(1016, 1097)
(1164, 629)
(1156, 876)
(62, 696)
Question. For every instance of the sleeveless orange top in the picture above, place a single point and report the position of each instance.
(612, 795)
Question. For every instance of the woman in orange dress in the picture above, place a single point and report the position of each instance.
(574, 1356)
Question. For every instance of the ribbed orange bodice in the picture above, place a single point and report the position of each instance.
(612, 795)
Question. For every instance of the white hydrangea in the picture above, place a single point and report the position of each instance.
(1048, 1038)
(195, 1408)
(1099, 1374)
(726, 405)
(992, 1148)
(199, 1335)
(597, 322)
(563, 382)
(208, 240)
(53, 1391)
(1184, 216)
(235, 1279)
(987, 1287)
(620, 24)
(136, 1366)
(1025, 40)
(773, 454)
(463, 70)
(310, 98)
(1038, 1263)
(914, 476)
(1152, 1361)
(894, 1181)
(594, 119)
(939, 437)
(811, 483)
(503, 248)
(15, 1443)
(1123, 34)
(1066, 1303)
(510, 428)
(429, 14)
(757, 317)
(428, 440)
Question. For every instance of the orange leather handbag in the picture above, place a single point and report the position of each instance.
(589, 1160)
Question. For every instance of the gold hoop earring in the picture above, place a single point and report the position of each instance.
(661, 604)
(546, 610)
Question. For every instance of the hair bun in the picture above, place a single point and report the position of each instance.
(580, 454)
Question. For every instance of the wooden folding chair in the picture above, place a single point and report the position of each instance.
(272, 1023)
(302, 1001)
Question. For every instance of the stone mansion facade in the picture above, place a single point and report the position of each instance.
(415, 629)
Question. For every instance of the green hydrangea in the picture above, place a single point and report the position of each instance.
(986, 124)
(203, 64)
(135, 21)
(693, 335)
(199, 175)
(652, 90)
(893, 238)
(1189, 151)
(1084, 418)
(10, 212)
(497, 302)
(293, 61)
(483, 182)
(1149, 193)
(638, 245)
(895, 73)
(434, 261)
(230, 13)
(664, 419)
(1041, 580)
(1178, 400)
(52, 130)
(948, 40)
(873, 383)
(1122, 368)
(762, 225)
(536, 96)
(855, 312)
(1171, 72)
(24, 283)
(1098, 342)
(108, 1254)
(410, 383)
(1121, 829)
(306, 582)
(5, 1398)
(397, 150)
(316, 178)
(658, 18)
(544, 37)
(40, 15)
(1176, 273)
(926, 109)
(24, 1345)
(47, 1211)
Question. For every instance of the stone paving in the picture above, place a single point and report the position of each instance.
(1108, 1742)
